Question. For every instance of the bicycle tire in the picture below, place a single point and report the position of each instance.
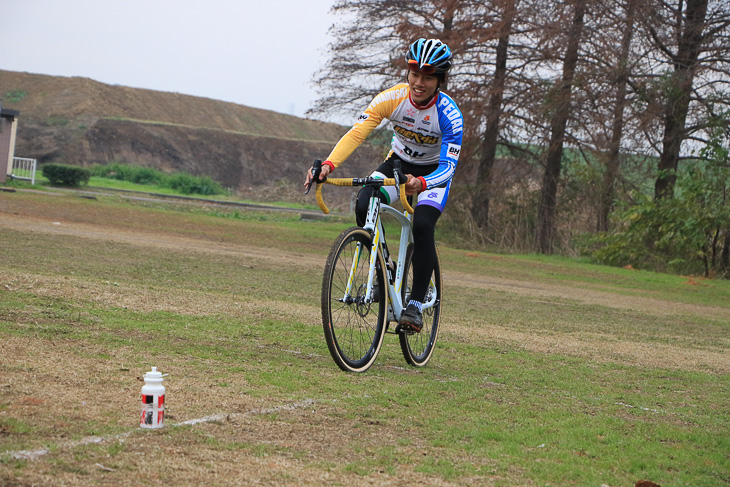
(418, 348)
(353, 328)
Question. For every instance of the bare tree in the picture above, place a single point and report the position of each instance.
(493, 114)
(370, 43)
(691, 24)
(691, 39)
(533, 77)
(553, 162)
(619, 85)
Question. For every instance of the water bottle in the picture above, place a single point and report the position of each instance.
(153, 400)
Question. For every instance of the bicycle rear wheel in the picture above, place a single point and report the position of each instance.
(353, 327)
(418, 348)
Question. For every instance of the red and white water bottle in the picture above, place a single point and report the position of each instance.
(153, 400)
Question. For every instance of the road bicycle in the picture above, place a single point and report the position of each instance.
(364, 290)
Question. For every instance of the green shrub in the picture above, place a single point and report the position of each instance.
(65, 175)
(188, 184)
(182, 182)
(687, 234)
(132, 174)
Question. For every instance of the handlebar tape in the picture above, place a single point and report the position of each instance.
(350, 182)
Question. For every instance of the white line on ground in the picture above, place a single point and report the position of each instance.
(35, 454)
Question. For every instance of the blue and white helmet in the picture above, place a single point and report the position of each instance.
(429, 56)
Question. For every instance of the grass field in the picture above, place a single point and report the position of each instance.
(548, 371)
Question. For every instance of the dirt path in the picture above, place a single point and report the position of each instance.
(28, 223)
(604, 347)
(583, 295)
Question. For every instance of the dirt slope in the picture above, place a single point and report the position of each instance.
(83, 122)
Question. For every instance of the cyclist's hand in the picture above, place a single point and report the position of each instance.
(413, 185)
(323, 174)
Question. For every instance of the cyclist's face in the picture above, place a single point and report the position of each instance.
(423, 86)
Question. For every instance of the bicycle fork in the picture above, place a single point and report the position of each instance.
(353, 271)
(372, 225)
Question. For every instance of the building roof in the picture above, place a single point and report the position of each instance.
(6, 112)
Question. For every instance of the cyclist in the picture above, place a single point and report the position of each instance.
(427, 132)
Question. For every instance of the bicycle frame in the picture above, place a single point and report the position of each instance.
(354, 322)
(374, 224)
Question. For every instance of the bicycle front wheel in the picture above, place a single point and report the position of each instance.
(418, 348)
(354, 326)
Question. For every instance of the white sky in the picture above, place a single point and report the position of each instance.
(259, 53)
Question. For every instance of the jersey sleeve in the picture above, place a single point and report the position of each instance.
(452, 126)
(382, 107)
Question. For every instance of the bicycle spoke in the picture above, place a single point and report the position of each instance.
(353, 326)
(417, 348)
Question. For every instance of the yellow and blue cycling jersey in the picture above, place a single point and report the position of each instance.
(422, 135)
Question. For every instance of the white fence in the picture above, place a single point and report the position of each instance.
(24, 168)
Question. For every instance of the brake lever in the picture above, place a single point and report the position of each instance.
(400, 176)
(316, 171)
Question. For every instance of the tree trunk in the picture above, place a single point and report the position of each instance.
(613, 161)
(725, 255)
(553, 163)
(480, 205)
(678, 96)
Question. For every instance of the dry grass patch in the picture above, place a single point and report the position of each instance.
(535, 380)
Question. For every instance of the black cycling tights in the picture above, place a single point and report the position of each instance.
(424, 243)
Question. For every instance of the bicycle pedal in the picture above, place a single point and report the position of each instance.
(405, 330)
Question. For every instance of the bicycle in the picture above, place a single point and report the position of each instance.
(355, 320)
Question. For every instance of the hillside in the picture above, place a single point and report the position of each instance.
(84, 122)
